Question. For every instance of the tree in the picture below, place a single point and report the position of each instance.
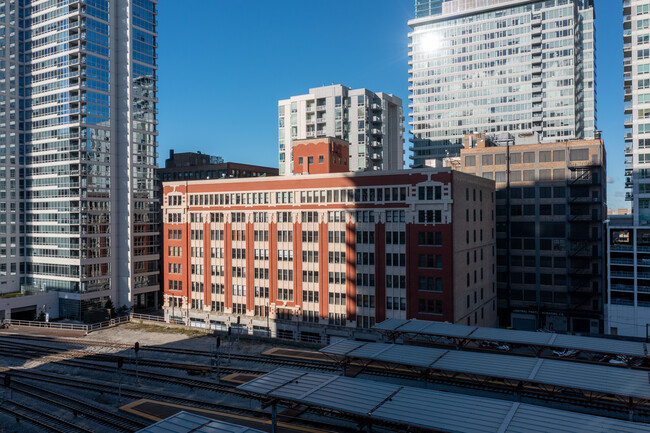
(122, 311)
(110, 307)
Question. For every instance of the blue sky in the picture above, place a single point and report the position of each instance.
(224, 65)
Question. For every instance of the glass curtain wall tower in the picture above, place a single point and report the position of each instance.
(78, 138)
(493, 66)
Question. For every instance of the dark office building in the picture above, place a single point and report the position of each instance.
(195, 166)
(551, 251)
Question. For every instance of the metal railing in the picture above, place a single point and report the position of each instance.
(149, 317)
(79, 326)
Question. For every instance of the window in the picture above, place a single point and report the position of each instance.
(579, 155)
(300, 160)
(321, 159)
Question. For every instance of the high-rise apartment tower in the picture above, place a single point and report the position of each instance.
(490, 66)
(371, 122)
(636, 70)
(78, 129)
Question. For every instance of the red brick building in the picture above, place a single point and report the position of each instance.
(325, 155)
(325, 254)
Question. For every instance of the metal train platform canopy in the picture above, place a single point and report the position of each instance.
(184, 422)
(461, 334)
(630, 388)
(403, 407)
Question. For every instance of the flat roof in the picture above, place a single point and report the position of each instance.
(184, 422)
(587, 377)
(448, 330)
(438, 410)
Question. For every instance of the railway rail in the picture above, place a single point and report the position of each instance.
(101, 416)
(47, 421)
(133, 393)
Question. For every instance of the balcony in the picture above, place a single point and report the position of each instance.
(321, 107)
(321, 133)
(628, 182)
(627, 122)
(623, 287)
(535, 40)
(622, 262)
(310, 109)
(627, 65)
(536, 70)
(375, 156)
(310, 121)
(375, 107)
(616, 274)
(627, 95)
(375, 143)
(628, 151)
(376, 119)
(628, 137)
(627, 108)
(629, 196)
(375, 131)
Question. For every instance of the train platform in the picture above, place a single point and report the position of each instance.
(157, 410)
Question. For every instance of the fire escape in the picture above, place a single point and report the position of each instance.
(584, 201)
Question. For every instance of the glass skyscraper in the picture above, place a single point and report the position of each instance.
(500, 66)
(78, 139)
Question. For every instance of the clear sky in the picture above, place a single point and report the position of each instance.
(225, 64)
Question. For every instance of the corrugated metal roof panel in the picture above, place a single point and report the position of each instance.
(530, 418)
(487, 364)
(602, 345)
(600, 378)
(343, 347)
(512, 336)
(442, 411)
(184, 422)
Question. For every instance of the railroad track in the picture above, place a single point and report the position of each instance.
(263, 359)
(22, 351)
(158, 377)
(47, 421)
(103, 417)
(132, 393)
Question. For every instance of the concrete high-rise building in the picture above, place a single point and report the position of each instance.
(371, 122)
(78, 138)
(628, 297)
(491, 66)
(636, 74)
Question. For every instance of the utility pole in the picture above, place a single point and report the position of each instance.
(120, 364)
(136, 348)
